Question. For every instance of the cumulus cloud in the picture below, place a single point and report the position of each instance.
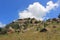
(2, 25)
(37, 10)
(51, 5)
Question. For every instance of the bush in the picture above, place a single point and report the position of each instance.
(3, 31)
(0, 29)
(59, 16)
(15, 26)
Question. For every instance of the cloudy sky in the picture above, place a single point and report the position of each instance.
(40, 9)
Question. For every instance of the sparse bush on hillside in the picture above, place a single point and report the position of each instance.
(36, 22)
(25, 27)
(59, 16)
(43, 30)
(45, 24)
(3, 31)
(38, 29)
(0, 29)
(54, 19)
(15, 26)
(49, 20)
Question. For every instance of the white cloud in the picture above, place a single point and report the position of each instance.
(51, 5)
(2, 25)
(37, 10)
(58, 2)
(25, 14)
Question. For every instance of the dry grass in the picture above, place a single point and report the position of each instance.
(35, 35)
(31, 35)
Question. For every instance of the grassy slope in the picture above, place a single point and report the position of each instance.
(35, 35)
(31, 36)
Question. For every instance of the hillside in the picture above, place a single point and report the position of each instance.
(32, 29)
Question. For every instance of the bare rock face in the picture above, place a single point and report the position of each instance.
(10, 30)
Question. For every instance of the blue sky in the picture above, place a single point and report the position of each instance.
(9, 9)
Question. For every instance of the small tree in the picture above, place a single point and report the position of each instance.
(0, 29)
(59, 16)
(15, 26)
